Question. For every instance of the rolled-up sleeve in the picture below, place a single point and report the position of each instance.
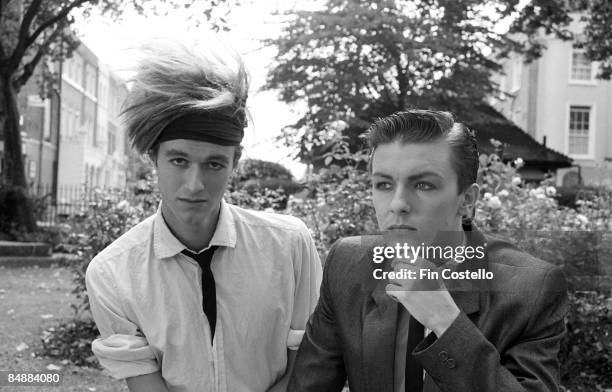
(308, 273)
(122, 349)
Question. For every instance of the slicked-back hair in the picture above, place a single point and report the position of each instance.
(425, 126)
(173, 79)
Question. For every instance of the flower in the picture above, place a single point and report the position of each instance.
(583, 219)
(535, 192)
(123, 205)
(516, 180)
(551, 191)
(518, 162)
(494, 203)
(503, 193)
(487, 195)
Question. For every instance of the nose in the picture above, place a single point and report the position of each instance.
(400, 203)
(194, 179)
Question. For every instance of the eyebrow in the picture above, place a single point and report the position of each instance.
(183, 154)
(176, 153)
(413, 177)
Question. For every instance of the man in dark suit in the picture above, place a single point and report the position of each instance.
(491, 320)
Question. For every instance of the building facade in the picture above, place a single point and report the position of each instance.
(73, 137)
(39, 132)
(560, 102)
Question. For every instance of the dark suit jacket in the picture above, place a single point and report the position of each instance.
(506, 337)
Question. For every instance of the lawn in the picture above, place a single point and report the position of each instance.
(32, 299)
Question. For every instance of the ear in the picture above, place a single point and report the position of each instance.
(468, 205)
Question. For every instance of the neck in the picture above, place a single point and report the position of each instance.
(194, 236)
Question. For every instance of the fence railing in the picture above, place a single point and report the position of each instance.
(55, 206)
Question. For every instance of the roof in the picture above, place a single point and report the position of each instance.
(516, 142)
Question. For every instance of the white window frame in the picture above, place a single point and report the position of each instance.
(592, 81)
(590, 155)
(516, 79)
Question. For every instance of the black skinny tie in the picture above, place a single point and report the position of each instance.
(209, 292)
(414, 370)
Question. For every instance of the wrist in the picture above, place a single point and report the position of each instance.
(444, 322)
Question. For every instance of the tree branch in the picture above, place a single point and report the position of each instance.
(28, 17)
(28, 69)
(24, 29)
(60, 15)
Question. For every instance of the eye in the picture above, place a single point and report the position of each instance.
(383, 186)
(216, 165)
(424, 186)
(178, 162)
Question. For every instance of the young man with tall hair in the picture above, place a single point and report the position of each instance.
(202, 296)
(477, 316)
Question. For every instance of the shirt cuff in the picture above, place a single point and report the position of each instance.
(295, 338)
(125, 356)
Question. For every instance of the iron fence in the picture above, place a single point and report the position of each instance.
(53, 206)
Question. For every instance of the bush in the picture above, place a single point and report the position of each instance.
(338, 204)
(255, 168)
(586, 352)
(576, 239)
(71, 340)
(257, 178)
(572, 196)
(257, 199)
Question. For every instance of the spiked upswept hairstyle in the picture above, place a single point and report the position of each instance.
(172, 79)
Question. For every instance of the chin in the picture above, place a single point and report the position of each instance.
(194, 218)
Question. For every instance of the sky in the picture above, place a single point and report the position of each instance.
(114, 42)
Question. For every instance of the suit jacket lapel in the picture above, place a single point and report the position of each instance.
(379, 331)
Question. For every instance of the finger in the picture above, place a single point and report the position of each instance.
(402, 284)
(393, 292)
(393, 287)
(422, 263)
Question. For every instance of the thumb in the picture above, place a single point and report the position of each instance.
(393, 291)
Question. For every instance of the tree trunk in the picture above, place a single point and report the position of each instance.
(13, 173)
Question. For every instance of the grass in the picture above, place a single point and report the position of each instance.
(31, 300)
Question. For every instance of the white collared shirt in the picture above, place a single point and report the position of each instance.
(146, 299)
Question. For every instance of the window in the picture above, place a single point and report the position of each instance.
(579, 127)
(111, 143)
(517, 74)
(94, 129)
(90, 79)
(581, 67)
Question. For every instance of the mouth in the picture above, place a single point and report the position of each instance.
(192, 201)
(401, 227)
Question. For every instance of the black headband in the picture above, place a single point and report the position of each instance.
(209, 127)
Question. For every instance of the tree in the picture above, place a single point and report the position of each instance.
(597, 39)
(353, 60)
(32, 30)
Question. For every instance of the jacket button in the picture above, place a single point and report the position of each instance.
(450, 363)
(443, 355)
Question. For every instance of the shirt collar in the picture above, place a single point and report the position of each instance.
(165, 244)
